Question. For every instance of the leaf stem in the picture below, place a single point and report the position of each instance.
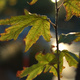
(60, 5)
(56, 33)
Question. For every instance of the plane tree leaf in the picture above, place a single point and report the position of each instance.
(40, 26)
(31, 72)
(48, 58)
(70, 37)
(61, 62)
(71, 58)
(33, 2)
(47, 68)
(78, 37)
(45, 63)
(72, 7)
(53, 69)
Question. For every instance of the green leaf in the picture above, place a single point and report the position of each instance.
(53, 70)
(78, 37)
(61, 67)
(47, 68)
(72, 8)
(70, 37)
(67, 38)
(71, 58)
(40, 26)
(32, 71)
(61, 55)
(48, 58)
(45, 63)
(33, 2)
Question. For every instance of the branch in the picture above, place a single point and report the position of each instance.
(56, 32)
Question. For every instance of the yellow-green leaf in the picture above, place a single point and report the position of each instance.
(72, 7)
(71, 58)
(61, 62)
(32, 71)
(47, 68)
(53, 70)
(33, 2)
(78, 37)
(48, 58)
(40, 26)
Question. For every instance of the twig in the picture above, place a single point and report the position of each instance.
(60, 5)
(56, 32)
(51, 23)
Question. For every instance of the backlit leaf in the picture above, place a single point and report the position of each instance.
(72, 8)
(61, 62)
(48, 58)
(40, 26)
(78, 37)
(32, 71)
(53, 70)
(33, 2)
(45, 63)
(47, 68)
(71, 58)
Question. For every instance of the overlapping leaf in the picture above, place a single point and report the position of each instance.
(71, 58)
(40, 26)
(44, 63)
(50, 61)
(53, 70)
(72, 8)
(46, 59)
(70, 37)
(33, 2)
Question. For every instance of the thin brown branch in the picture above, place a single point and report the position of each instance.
(56, 32)
(52, 23)
(60, 5)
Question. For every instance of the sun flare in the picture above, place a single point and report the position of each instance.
(61, 46)
(54, 1)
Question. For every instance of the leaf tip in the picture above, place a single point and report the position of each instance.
(32, 2)
(26, 12)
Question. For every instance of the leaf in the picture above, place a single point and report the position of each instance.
(71, 58)
(33, 2)
(67, 38)
(46, 59)
(78, 37)
(32, 71)
(53, 70)
(72, 7)
(40, 26)
(70, 37)
(61, 62)
(47, 68)
(19, 72)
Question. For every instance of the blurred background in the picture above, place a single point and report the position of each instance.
(12, 56)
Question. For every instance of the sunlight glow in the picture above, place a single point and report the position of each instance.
(61, 46)
(54, 0)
